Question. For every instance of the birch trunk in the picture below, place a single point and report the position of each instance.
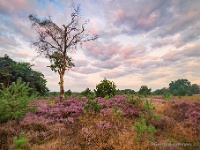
(61, 83)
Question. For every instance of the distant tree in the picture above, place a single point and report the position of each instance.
(68, 93)
(144, 90)
(7, 66)
(158, 92)
(54, 42)
(180, 87)
(105, 88)
(129, 91)
(10, 71)
(86, 92)
(125, 91)
(161, 91)
(195, 89)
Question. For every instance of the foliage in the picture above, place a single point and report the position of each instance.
(144, 90)
(117, 111)
(161, 91)
(167, 96)
(125, 91)
(143, 131)
(53, 94)
(55, 42)
(195, 89)
(10, 71)
(19, 141)
(56, 59)
(88, 93)
(150, 109)
(180, 87)
(68, 93)
(104, 88)
(135, 100)
(15, 100)
(93, 105)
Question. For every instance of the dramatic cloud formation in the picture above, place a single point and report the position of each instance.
(142, 42)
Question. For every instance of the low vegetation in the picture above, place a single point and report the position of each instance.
(120, 122)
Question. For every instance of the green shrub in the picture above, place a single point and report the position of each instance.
(68, 93)
(88, 93)
(150, 115)
(190, 94)
(143, 131)
(117, 111)
(15, 100)
(148, 106)
(19, 141)
(105, 88)
(175, 93)
(93, 105)
(136, 101)
(167, 96)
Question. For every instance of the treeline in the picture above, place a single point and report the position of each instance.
(106, 88)
(180, 87)
(11, 70)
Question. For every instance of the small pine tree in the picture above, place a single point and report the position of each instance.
(15, 100)
(19, 141)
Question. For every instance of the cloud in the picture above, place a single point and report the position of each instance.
(8, 41)
(114, 73)
(132, 52)
(187, 52)
(101, 50)
(162, 43)
(81, 62)
(87, 70)
(17, 6)
(133, 17)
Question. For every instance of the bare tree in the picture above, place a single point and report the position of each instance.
(54, 42)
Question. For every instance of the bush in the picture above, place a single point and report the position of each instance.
(105, 88)
(136, 101)
(68, 93)
(15, 100)
(19, 141)
(167, 96)
(150, 111)
(143, 131)
(92, 105)
(88, 93)
(144, 90)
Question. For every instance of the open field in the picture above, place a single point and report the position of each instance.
(71, 125)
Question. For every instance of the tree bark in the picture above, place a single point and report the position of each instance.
(61, 83)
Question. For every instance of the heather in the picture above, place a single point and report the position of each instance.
(120, 122)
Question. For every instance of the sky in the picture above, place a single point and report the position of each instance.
(141, 42)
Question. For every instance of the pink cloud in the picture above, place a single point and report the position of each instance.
(161, 43)
(119, 14)
(101, 50)
(132, 52)
(148, 20)
(15, 6)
